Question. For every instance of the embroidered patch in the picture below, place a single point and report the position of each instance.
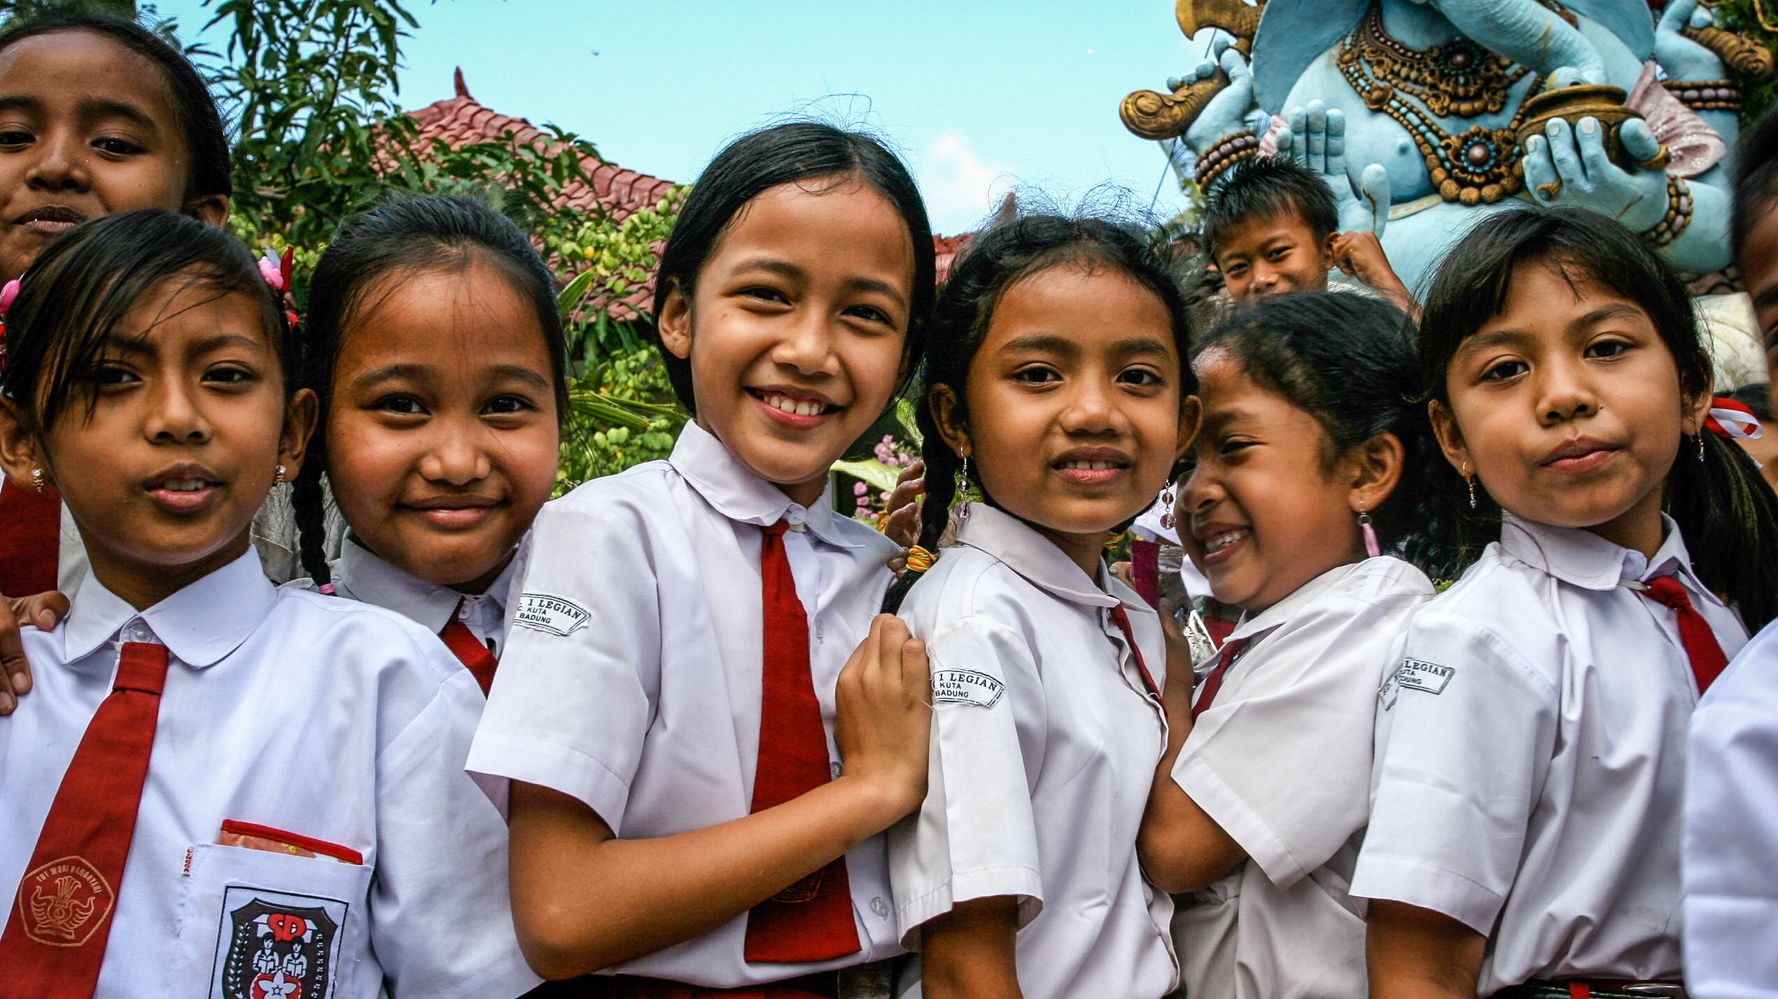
(1415, 674)
(550, 614)
(62, 902)
(965, 686)
(275, 945)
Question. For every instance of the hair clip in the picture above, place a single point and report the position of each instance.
(1730, 419)
(919, 559)
(8, 295)
(275, 268)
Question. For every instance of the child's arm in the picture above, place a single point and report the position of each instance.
(1360, 254)
(968, 951)
(1416, 953)
(585, 900)
(1182, 848)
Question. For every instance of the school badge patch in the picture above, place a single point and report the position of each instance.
(274, 945)
(965, 686)
(549, 614)
(62, 902)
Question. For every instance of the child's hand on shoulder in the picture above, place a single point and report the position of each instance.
(43, 610)
(883, 714)
(1360, 254)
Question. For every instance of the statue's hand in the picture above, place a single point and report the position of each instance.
(1569, 166)
(1682, 58)
(1316, 138)
(1225, 114)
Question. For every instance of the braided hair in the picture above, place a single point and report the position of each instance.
(995, 260)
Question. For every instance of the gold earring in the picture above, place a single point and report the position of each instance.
(279, 475)
(39, 479)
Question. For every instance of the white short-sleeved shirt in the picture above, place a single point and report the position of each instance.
(1731, 831)
(1045, 741)
(632, 672)
(1531, 757)
(1282, 761)
(286, 717)
(360, 574)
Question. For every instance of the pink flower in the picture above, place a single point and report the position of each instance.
(7, 295)
(270, 270)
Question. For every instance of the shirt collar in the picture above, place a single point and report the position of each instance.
(1030, 554)
(1580, 557)
(363, 575)
(1254, 625)
(742, 496)
(199, 624)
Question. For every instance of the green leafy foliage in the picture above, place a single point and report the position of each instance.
(1742, 17)
(620, 414)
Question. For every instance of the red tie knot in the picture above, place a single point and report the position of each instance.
(776, 530)
(143, 667)
(1669, 591)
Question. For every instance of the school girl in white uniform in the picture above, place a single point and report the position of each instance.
(643, 646)
(303, 823)
(1525, 830)
(1313, 454)
(1056, 373)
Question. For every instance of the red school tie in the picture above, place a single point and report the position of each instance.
(61, 919)
(812, 919)
(30, 539)
(470, 651)
(1700, 642)
(1122, 618)
(1231, 650)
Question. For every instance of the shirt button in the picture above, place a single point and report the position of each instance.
(139, 632)
(465, 610)
(880, 906)
(836, 768)
(820, 632)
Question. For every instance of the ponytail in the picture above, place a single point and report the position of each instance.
(308, 499)
(1729, 517)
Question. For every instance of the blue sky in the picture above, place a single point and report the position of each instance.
(981, 96)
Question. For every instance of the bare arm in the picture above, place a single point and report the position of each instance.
(1182, 848)
(967, 953)
(583, 899)
(1416, 953)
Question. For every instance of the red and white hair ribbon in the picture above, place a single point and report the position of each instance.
(1731, 419)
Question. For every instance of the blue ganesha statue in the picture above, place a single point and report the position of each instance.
(1426, 114)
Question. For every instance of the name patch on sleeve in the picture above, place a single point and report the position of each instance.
(965, 686)
(1415, 674)
(550, 614)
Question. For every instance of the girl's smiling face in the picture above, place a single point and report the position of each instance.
(1567, 406)
(796, 327)
(87, 128)
(442, 427)
(1262, 512)
(188, 425)
(1075, 415)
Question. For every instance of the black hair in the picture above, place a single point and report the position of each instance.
(205, 138)
(1756, 179)
(791, 153)
(995, 260)
(1267, 187)
(1348, 360)
(82, 286)
(369, 253)
(1722, 506)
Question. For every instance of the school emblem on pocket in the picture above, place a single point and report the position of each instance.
(277, 950)
(62, 902)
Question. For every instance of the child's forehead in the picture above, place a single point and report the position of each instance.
(1284, 221)
(85, 65)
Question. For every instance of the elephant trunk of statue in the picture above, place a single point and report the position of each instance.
(1529, 34)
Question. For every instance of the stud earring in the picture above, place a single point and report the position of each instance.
(1167, 508)
(1371, 547)
(279, 475)
(1469, 480)
(39, 479)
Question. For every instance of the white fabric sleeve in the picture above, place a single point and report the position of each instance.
(575, 693)
(1731, 831)
(975, 835)
(441, 915)
(1466, 728)
(1284, 764)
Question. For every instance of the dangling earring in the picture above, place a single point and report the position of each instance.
(279, 475)
(1469, 480)
(39, 480)
(1371, 547)
(1167, 508)
(1700, 447)
(963, 490)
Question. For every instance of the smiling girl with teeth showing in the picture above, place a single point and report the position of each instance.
(1313, 456)
(1055, 382)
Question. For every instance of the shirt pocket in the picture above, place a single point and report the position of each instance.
(257, 924)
